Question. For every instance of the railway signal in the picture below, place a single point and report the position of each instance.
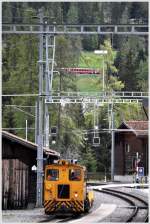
(53, 130)
(96, 141)
(53, 140)
(140, 171)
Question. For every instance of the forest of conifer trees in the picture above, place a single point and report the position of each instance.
(126, 69)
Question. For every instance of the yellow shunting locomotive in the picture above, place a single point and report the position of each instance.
(65, 188)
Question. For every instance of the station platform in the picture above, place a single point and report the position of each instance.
(140, 187)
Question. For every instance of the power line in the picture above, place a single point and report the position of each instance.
(20, 41)
(18, 106)
(22, 95)
(12, 88)
(24, 112)
(23, 8)
(15, 107)
(89, 132)
(118, 130)
(17, 128)
(16, 17)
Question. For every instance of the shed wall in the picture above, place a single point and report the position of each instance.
(15, 180)
(18, 179)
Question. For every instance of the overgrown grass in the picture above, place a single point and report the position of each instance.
(90, 60)
(90, 83)
(87, 82)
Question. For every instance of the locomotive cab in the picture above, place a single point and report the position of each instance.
(65, 188)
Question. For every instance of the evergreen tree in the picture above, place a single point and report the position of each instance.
(139, 11)
(128, 60)
(72, 14)
(88, 160)
(20, 72)
(20, 75)
(142, 75)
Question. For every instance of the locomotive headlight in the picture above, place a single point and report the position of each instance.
(76, 194)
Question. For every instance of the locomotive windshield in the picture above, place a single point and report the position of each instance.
(75, 174)
(52, 174)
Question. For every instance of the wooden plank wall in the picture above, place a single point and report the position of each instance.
(15, 176)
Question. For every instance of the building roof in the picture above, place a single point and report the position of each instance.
(28, 144)
(139, 128)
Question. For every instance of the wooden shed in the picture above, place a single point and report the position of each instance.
(127, 143)
(18, 178)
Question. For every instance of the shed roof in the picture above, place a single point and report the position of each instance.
(139, 128)
(28, 144)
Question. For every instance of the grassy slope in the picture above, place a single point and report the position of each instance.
(90, 83)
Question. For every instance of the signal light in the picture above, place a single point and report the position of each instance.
(53, 140)
(76, 194)
(54, 130)
(85, 136)
(96, 141)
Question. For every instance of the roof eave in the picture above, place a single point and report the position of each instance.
(28, 144)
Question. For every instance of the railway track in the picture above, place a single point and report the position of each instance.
(59, 218)
(120, 205)
(136, 203)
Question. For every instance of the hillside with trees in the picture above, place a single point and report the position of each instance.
(126, 69)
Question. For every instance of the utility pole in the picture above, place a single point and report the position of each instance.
(103, 53)
(46, 57)
(36, 123)
(26, 130)
(39, 193)
(112, 144)
(49, 67)
(47, 89)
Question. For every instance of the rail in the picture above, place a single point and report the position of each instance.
(130, 198)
